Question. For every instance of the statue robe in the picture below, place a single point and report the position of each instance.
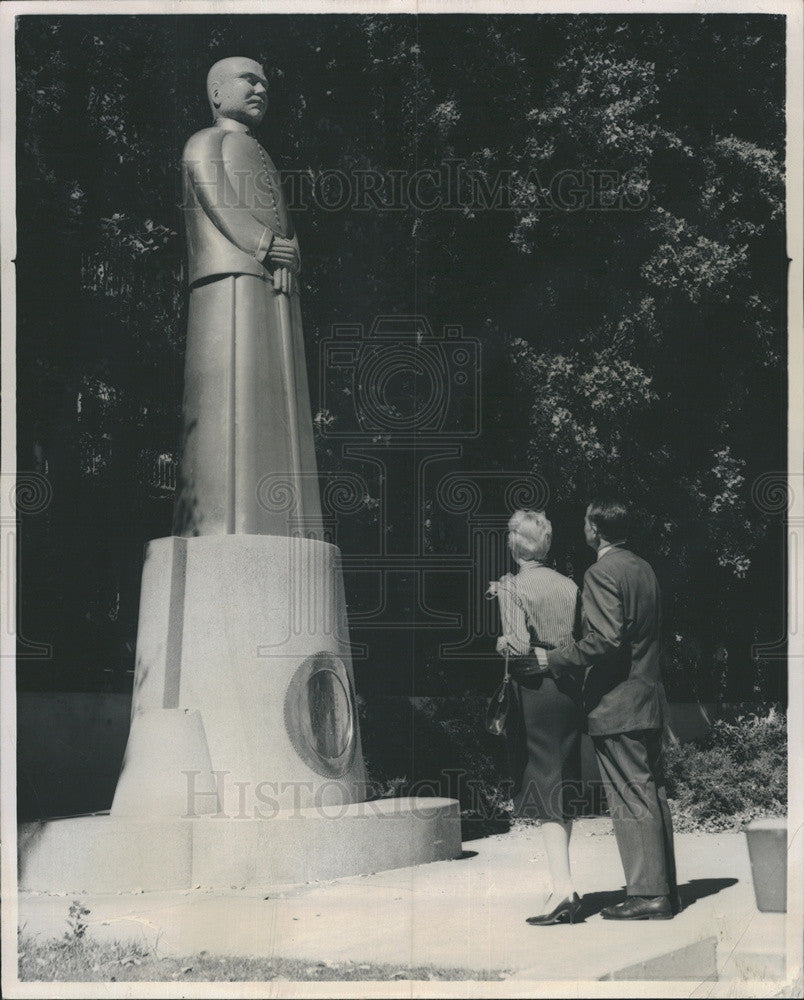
(247, 462)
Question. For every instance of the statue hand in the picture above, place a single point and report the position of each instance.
(284, 253)
(284, 280)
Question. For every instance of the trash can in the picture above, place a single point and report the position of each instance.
(767, 849)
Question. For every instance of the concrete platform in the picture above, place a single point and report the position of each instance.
(761, 954)
(108, 854)
(467, 913)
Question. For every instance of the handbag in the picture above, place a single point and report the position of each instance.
(499, 705)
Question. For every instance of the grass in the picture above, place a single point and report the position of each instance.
(81, 959)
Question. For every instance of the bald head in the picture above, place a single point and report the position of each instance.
(237, 88)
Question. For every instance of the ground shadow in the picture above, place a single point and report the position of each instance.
(690, 892)
(700, 888)
(593, 902)
(479, 828)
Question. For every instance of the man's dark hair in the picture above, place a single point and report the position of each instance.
(611, 517)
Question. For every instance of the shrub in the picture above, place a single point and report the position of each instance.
(439, 746)
(737, 773)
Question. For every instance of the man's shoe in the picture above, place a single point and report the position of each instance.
(640, 908)
(567, 912)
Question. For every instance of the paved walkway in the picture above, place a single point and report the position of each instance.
(468, 913)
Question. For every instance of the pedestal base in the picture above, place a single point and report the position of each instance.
(243, 687)
(109, 854)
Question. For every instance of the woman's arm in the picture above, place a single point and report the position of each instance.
(514, 622)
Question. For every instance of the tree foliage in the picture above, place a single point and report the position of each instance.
(635, 343)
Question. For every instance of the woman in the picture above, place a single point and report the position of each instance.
(540, 606)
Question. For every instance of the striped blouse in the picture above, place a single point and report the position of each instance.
(543, 598)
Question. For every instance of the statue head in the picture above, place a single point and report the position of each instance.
(237, 88)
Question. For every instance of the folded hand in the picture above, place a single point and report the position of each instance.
(283, 253)
(283, 280)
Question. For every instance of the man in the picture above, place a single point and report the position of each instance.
(247, 453)
(618, 659)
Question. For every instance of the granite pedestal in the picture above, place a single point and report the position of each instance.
(243, 764)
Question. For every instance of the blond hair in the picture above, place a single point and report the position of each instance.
(530, 534)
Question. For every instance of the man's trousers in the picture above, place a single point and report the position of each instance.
(632, 768)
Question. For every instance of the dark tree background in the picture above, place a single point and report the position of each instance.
(643, 350)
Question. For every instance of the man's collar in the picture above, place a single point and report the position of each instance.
(230, 125)
(609, 545)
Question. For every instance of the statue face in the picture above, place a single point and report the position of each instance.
(238, 89)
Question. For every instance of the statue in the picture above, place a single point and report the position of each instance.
(243, 662)
(246, 413)
(244, 763)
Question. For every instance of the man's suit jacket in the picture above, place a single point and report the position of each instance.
(233, 202)
(618, 657)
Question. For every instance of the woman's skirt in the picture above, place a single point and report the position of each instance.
(544, 750)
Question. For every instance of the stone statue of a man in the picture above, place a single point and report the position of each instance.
(247, 429)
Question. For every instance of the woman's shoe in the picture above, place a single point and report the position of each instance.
(567, 912)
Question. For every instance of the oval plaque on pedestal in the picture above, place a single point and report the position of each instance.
(319, 714)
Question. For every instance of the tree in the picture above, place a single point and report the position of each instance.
(631, 317)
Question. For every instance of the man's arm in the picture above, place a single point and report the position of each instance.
(577, 623)
(603, 610)
(205, 170)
